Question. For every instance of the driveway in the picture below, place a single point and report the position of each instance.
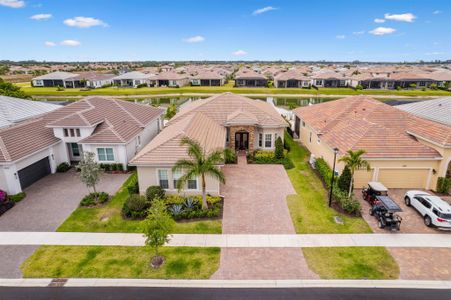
(255, 203)
(48, 203)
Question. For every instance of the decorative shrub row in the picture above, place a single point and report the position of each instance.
(443, 185)
(268, 157)
(63, 167)
(5, 198)
(93, 199)
(191, 207)
(112, 167)
(136, 206)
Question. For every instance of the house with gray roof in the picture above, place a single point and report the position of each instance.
(437, 110)
(133, 79)
(53, 79)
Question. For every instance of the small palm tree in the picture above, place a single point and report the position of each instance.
(354, 161)
(201, 164)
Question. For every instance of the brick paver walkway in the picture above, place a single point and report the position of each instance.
(255, 203)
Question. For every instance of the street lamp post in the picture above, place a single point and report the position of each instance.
(333, 177)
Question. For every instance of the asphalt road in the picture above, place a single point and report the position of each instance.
(129, 293)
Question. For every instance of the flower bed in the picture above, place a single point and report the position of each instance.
(269, 157)
(186, 208)
(94, 199)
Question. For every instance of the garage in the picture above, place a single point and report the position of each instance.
(34, 172)
(404, 178)
(362, 177)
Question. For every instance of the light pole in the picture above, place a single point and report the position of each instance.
(333, 177)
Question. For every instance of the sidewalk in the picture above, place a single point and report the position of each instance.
(230, 240)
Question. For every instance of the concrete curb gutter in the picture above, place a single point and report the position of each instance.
(109, 282)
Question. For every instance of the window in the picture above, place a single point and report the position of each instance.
(105, 154)
(163, 179)
(422, 83)
(65, 132)
(75, 149)
(319, 82)
(227, 134)
(78, 132)
(72, 133)
(268, 140)
(176, 176)
(260, 140)
(192, 184)
(425, 202)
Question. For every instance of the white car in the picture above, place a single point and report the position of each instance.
(433, 209)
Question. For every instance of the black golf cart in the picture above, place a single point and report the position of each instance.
(385, 211)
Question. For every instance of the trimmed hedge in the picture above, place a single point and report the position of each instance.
(17, 197)
(93, 199)
(135, 207)
(324, 171)
(155, 191)
(268, 157)
(63, 167)
(443, 185)
(112, 167)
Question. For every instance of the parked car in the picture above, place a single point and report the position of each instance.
(433, 209)
(384, 210)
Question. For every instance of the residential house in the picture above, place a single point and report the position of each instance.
(171, 79)
(330, 80)
(53, 79)
(292, 79)
(89, 80)
(404, 151)
(250, 78)
(114, 130)
(221, 121)
(208, 78)
(134, 79)
(437, 110)
(411, 80)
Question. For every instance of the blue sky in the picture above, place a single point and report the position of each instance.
(99, 30)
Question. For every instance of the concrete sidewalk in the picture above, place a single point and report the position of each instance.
(230, 240)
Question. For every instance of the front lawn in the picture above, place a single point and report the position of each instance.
(352, 263)
(120, 262)
(107, 218)
(308, 208)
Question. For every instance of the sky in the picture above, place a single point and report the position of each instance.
(127, 30)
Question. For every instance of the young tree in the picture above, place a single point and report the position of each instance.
(345, 179)
(201, 165)
(156, 227)
(278, 153)
(354, 161)
(89, 170)
(171, 111)
(11, 90)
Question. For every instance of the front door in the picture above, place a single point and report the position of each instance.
(241, 141)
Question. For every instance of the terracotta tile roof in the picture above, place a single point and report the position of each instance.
(165, 148)
(249, 74)
(291, 75)
(360, 122)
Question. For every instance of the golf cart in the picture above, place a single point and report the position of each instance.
(385, 211)
(374, 189)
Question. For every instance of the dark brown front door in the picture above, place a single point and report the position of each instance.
(241, 141)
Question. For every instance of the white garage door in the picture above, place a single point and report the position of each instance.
(404, 178)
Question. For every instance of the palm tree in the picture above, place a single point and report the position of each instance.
(201, 164)
(354, 161)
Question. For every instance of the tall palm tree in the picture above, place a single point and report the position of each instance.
(354, 161)
(201, 165)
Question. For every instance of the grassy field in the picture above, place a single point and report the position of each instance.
(120, 262)
(50, 91)
(308, 208)
(352, 263)
(108, 218)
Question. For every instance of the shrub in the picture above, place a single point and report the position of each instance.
(443, 185)
(344, 180)
(359, 87)
(120, 167)
(93, 199)
(17, 197)
(278, 153)
(60, 89)
(287, 163)
(135, 207)
(398, 88)
(286, 145)
(141, 85)
(154, 192)
(324, 171)
(433, 86)
(229, 156)
(133, 187)
(63, 167)
(348, 204)
(113, 167)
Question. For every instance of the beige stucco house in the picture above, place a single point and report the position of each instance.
(404, 151)
(221, 121)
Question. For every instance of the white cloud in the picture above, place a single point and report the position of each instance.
(263, 10)
(358, 32)
(84, 22)
(239, 53)
(382, 31)
(407, 17)
(435, 53)
(12, 3)
(194, 39)
(40, 17)
(50, 44)
(436, 12)
(341, 36)
(377, 20)
(71, 43)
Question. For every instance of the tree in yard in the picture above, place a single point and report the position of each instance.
(354, 161)
(344, 180)
(156, 227)
(278, 153)
(89, 170)
(11, 90)
(171, 111)
(201, 165)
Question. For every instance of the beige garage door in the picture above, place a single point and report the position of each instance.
(361, 178)
(404, 178)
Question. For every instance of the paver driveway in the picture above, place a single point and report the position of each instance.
(255, 203)
(48, 203)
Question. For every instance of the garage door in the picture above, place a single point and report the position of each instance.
(404, 178)
(361, 178)
(34, 172)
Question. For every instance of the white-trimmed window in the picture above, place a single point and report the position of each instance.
(105, 154)
(260, 140)
(268, 140)
(75, 149)
(318, 82)
(175, 178)
(192, 183)
(163, 179)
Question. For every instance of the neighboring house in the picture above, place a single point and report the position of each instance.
(330, 80)
(406, 80)
(250, 78)
(91, 80)
(208, 78)
(222, 121)
(437, 110)
(114, 130)
(171, 79)
(52, 79)
(133, 79)
(292, 79)
(404, 151)
(15, 110)
(372, 81)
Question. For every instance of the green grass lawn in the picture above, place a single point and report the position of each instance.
(120, 262)
(308, 208)
(108, 218)
(51, 91)
(352, 263)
